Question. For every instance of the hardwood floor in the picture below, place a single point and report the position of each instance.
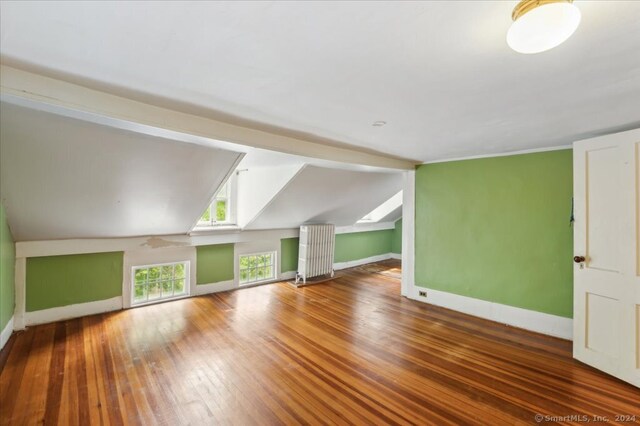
(348, 351)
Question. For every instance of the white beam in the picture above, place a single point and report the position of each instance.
(66, 95)
(408, 233)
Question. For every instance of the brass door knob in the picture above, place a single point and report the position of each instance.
(579, 259)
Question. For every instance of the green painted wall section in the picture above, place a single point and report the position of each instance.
(7, 268)
(288, 254)
(497, 229)
(359, 245)
(54, 281)
(214, 263)
(352, 246)
(396, 239)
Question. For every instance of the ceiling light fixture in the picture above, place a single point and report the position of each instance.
(540, 25)
(379, 123)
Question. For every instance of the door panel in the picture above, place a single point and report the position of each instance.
(607, 233)
(601, 311)
(603, 195)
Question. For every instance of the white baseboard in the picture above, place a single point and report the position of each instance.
(539, 322)
(352, 263)
(395, 256)
(73, 311)
(215, 287)
(6, 333)
(286, 276)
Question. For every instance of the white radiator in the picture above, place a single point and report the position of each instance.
(315, 254)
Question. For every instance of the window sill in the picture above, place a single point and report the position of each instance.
(214, 229)
(262, 282)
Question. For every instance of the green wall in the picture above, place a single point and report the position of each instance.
(396, 239)
(7, 268)
(352, 246)
(288, 254)
(214, 263)
(358, 245)
(54, 281)
(497, 229)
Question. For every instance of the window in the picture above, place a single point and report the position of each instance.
(159, 282)
(258, 267)
(221, 211)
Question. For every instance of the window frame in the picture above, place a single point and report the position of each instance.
(229, 196)
(273, 265)
(186, 279)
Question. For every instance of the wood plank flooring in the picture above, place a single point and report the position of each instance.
(350, 351)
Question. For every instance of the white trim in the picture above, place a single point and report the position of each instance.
(81, 101)
(502, 154)
(539, 322)
(408, 233)
(73, 311)
(199, 237)
(365, 227)
(104, 245)
(358, 262)
(6, 333)
(286, 276)
(397, 256)
(20, 291)
(217, 287)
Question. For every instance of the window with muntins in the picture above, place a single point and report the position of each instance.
(220, 211)
(164, 281)
(258, 267)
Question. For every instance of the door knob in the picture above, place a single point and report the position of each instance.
(579, 259)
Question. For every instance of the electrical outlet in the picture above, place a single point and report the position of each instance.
(422, 293)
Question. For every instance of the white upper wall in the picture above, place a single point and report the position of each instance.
(438, 72)
(325, 195)
(65, 178)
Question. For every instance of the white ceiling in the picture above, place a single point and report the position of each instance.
(65, 178)
(438, 72)
(322, 195)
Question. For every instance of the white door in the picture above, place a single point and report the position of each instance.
(606, 245)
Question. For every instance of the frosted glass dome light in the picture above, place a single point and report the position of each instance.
(540, 25)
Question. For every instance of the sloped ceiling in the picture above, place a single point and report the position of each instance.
(65, 178)
(439, 73)
(258, 185)
(326, 195)
(394, 215)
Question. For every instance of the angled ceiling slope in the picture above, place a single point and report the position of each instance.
(257, 187)
(389, 211)
(393, 216)
(64, 178)
(325, 195)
